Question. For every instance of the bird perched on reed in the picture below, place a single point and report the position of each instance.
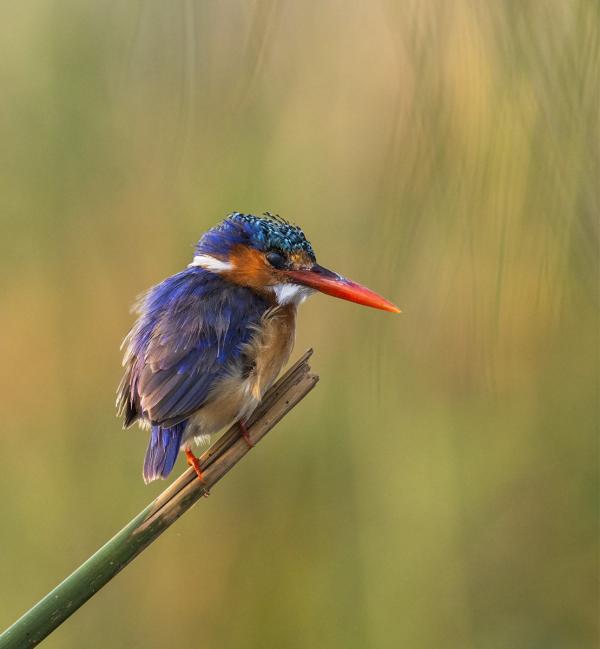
(211, 339)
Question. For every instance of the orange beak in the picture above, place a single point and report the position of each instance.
(331, 283)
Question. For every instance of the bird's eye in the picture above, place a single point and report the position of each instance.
(276, 259)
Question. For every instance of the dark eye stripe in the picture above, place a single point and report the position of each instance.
(276, 259)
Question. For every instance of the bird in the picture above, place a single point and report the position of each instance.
(211, 339)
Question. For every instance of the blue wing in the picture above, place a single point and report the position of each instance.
(191, 328)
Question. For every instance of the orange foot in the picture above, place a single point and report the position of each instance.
(194, 462)
(245, 433)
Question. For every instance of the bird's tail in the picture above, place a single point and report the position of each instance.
(162, 451)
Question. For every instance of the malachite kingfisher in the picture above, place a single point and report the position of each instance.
(210, 340)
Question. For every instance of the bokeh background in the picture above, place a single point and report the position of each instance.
(440, 487)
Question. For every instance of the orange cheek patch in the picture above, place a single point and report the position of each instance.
(249, 268)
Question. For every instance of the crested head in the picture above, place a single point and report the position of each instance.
(254, 251)
(263, 233)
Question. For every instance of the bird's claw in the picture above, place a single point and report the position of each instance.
(194, 462)
(245, 434)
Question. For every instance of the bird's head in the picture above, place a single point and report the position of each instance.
(272, 256)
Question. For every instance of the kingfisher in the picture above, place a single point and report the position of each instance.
(210, 340)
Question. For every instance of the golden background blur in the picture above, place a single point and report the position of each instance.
(439, 488)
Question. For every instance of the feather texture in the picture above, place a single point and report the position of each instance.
(162, 451)
(191, 331)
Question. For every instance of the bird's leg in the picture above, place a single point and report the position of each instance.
(245, 433)
(194, 462)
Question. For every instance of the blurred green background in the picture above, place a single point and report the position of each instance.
(439, 488)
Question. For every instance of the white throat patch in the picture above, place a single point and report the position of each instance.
(208, 262)
(291, 293)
